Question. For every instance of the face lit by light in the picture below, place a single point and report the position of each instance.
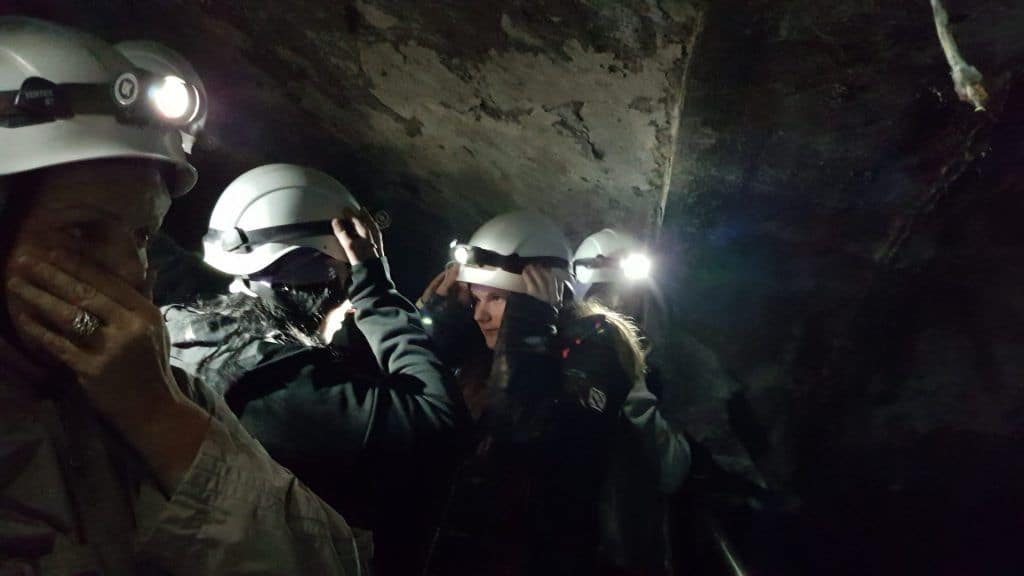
(636, 266)
(334, 320)
(171, 98)
(461, 254)
(488, 311)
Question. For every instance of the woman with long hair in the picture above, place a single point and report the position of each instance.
(527, 499)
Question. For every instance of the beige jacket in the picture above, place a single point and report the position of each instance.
(75, 499)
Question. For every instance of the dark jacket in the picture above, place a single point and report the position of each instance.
(369, 423)
(527, 500)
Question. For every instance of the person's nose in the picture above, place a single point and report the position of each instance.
(126, 260)
(480, 313)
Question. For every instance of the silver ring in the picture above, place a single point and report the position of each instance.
(85, 324)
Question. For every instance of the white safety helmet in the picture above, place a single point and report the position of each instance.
(163, 61)
(67, 96)
(609, 256)
(499, 250)
(273, 211)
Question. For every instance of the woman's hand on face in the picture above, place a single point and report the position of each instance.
(123, 366)
(359, 236)
(543, 284)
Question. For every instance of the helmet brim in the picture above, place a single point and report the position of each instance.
(87, 138)
(265, 255)
(492, 278)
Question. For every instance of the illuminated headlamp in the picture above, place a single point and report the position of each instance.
(635, 266)
(514, 263)
(460, 254)
(136, 97)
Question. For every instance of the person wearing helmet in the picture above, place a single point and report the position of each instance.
(651, 457)
(175, 69)
(527, 500)
(180, 275)
(112, 461)
(322, 359)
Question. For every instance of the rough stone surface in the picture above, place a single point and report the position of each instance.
(847, 242)
(442, 113)
(841, 256)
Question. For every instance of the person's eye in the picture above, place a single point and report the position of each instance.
(83, 232)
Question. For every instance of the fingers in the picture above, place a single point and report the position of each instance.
(54, 343)
(343, 230)
(451, 273)
(541, 284)
(71, 290)
(360, 226)
(84, 279)
(48, 310)
(371, 224)
(451, 276)
(353, 236)
(432, 288)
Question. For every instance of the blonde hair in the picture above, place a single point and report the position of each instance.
(629, 344)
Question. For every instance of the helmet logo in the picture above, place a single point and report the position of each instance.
(126, 89)
(383, 219)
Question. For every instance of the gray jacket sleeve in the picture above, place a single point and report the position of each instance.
(316, 409)
(420, 393)
(238, 512)
(663, 446)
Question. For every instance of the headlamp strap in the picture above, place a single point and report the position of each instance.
(238, 240)
(513, 263)
(595, 262)
(39, 100)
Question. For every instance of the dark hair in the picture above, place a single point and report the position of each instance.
(629, 344)
(290, 315)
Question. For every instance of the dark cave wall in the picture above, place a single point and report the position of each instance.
(841, 254)
(441, 113)
(847, 275)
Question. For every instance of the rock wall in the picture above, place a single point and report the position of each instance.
(844, 296)
(840, 259)
(441, 113)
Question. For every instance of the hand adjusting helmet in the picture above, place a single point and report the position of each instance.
(272, 224)
(499, 250)
(610, 256)
(67, 96)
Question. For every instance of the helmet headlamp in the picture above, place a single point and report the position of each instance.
(635, 266)
(514, 263)
(135, 97)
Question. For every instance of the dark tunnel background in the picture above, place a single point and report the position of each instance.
(839, 237)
